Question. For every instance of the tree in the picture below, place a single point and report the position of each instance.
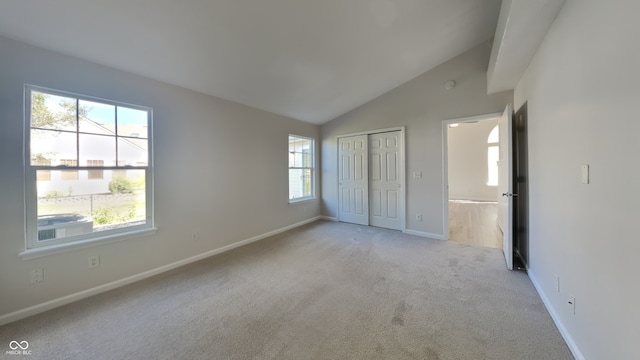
(43, 117)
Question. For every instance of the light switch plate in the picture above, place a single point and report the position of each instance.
(572, 304)
(585, 173)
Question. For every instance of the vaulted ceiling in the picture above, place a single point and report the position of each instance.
(311, 60)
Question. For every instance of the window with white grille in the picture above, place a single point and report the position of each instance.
(88, 167)
(301, 168)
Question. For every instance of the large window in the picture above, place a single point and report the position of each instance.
(88, 168)
(301, 168)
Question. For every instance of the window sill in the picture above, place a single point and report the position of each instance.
(300, 200)
(65, 247)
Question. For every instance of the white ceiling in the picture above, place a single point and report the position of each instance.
(311, 60)
(522, 26)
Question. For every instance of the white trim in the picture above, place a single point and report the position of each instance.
(403, 180)
(473, 118)
(51, 304)
(445, 162)
(377, 131)
(86, 243)
(573, 347)
(329, 218)
(425, 234)
(301, 200)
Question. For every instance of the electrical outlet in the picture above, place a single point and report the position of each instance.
(36, 276)
(556, 279)
(572, 304)
(94, 262)
(419, 217)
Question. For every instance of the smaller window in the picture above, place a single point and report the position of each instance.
(44, 175)
(301, 168)
(95, 174)
(71, 174)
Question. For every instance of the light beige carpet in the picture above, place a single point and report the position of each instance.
(323, 291)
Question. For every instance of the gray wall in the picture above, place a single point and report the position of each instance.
(467, 161)
(582, 93)
(421, 105)
(220, 171)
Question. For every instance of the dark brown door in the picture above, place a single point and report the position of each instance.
(520, 190)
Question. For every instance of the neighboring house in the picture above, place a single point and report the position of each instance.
(80, 182)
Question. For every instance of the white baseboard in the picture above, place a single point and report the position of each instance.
(424, 234)
(556, 319)
(329, 218)
(36, 309)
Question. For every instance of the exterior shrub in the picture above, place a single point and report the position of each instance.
(106, 216)
(121, 185)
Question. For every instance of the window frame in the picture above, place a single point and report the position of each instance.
(36, 248)
(311, 168)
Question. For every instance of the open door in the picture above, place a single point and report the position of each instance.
(505, 185)
(520, 190)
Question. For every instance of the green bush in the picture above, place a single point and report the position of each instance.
(121, 185)
(103, 216)
(106, 216)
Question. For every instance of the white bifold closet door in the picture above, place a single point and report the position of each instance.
(370, 183)
(385, 188)
(353, 183)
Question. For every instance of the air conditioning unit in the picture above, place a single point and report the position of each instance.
(62, 225)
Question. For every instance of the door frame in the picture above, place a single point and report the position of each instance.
(521, 187)
(445, 163)
(403, 202)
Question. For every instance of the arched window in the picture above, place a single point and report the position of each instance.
(493, 155)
